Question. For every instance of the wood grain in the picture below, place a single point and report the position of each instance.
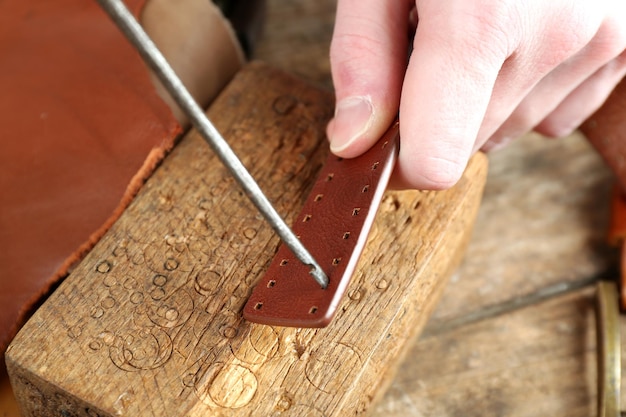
(539, 360)
(149, 324)
(535, 360)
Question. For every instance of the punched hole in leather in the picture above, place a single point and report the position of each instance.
(333, 225)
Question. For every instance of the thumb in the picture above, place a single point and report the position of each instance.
(368, 56)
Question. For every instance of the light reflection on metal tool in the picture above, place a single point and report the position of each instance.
(609, 352)
(127, 23)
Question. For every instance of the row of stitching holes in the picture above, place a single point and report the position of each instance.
(259, 306)
(284, 262)
(329, 177)
(317, 198)
(272, 283)
(308, 217)
(365, 188)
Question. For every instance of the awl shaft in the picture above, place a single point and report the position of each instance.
(151, 55)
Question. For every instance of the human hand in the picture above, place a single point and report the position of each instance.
(481, 73)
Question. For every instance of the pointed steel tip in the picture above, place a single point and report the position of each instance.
(319, 276)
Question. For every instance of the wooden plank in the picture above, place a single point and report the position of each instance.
(538, 360)
(150, 324)
(541, 228)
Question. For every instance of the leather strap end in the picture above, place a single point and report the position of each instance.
(333, 225)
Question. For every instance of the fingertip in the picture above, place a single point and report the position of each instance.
(411, 182)
(330, 128)
(429, 164)
(437, 175)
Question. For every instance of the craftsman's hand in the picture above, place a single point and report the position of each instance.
(481, 73)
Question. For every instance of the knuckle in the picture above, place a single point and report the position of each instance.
(350, 53)
(359, 42)
(493, 22)
(488, 33)
(579, 27)
(357, 35)
(348, 46)
(610, 39)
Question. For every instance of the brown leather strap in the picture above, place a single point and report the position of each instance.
(333, 225)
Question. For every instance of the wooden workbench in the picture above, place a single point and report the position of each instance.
(514, 332)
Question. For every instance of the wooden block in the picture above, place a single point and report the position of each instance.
(150, 322)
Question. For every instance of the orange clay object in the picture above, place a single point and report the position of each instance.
(81, 126)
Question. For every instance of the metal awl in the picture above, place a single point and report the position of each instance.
(151, 55)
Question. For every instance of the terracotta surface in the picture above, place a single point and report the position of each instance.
(606, 130)
(81, 128)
